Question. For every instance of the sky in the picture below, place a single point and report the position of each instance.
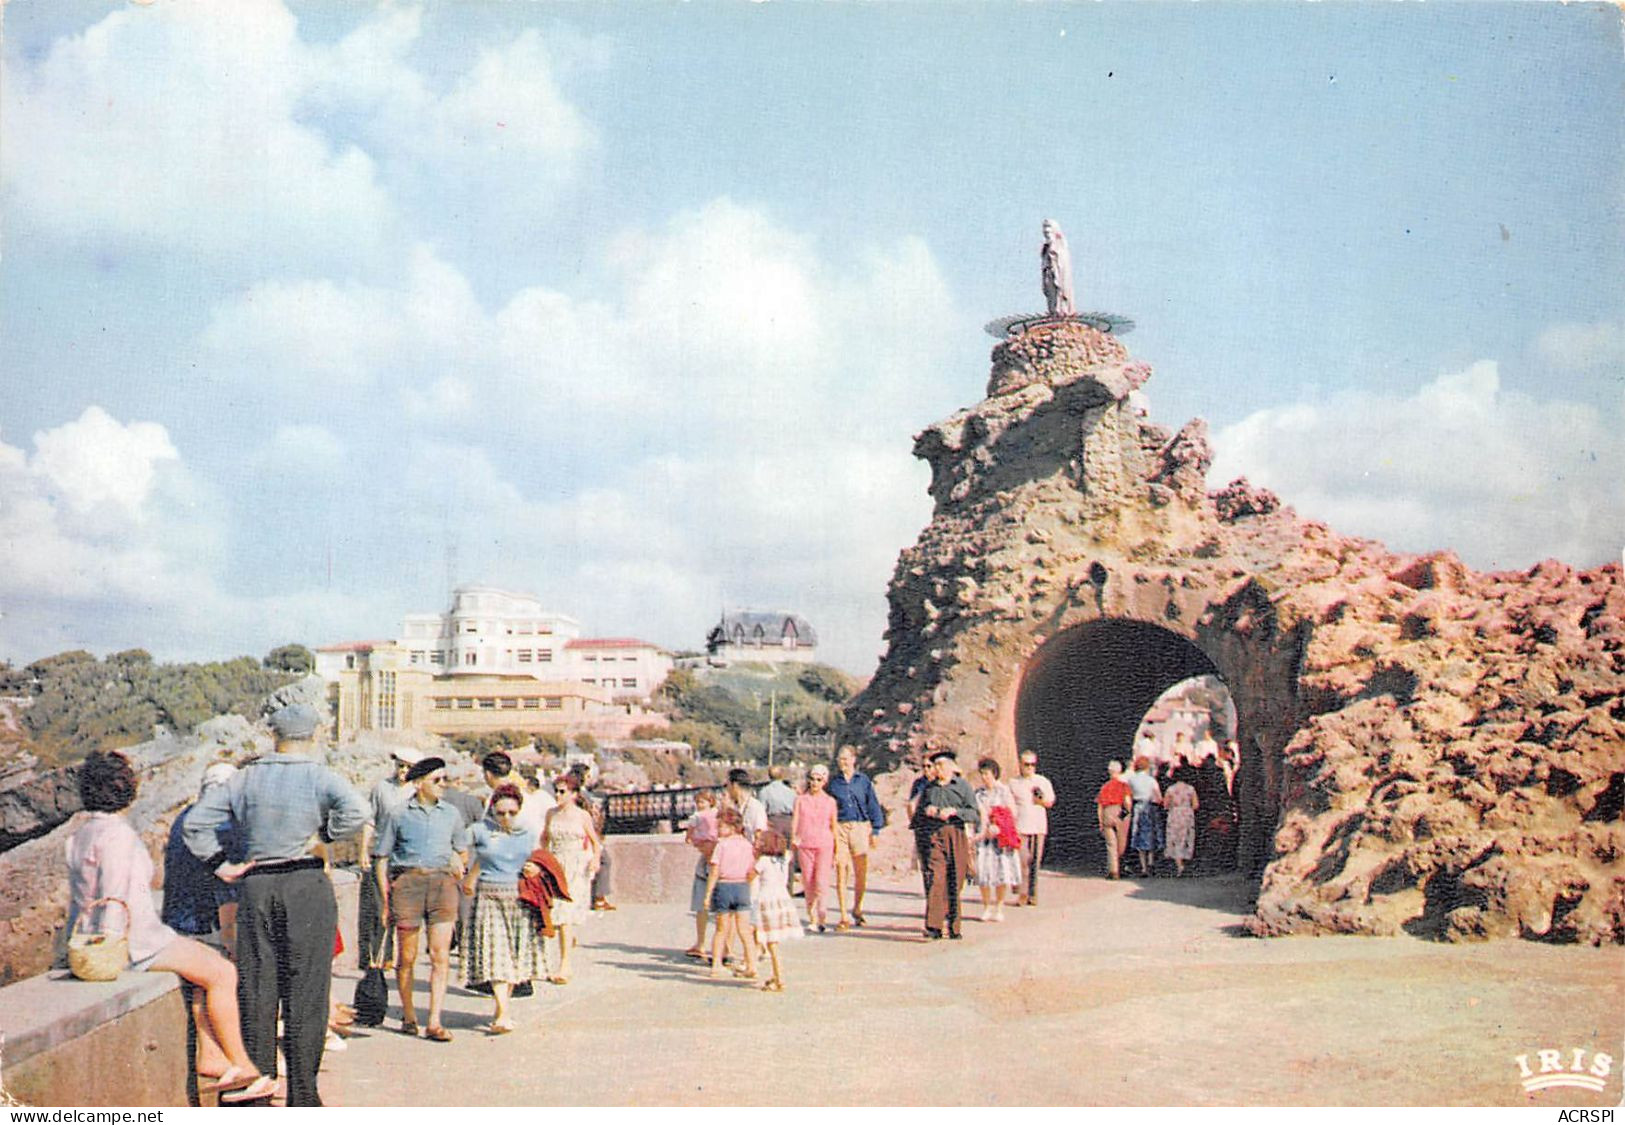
(312, 310)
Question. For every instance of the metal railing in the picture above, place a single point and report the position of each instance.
(630, 813)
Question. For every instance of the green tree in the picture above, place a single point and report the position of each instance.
(291, 658)
(826, 683)
(586, 743)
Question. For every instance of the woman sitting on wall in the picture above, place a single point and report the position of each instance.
(107, 860)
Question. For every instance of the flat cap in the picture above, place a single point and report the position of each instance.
(297, 720)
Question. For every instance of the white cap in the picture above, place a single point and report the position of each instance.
(406, 754)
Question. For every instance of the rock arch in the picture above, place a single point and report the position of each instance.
(1079, 702)
(1430, 747)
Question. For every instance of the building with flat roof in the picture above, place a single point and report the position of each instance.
(496, 660)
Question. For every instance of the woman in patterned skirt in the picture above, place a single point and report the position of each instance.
(998, 863)
(504, 947)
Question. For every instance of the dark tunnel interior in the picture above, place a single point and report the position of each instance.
(1081, 703)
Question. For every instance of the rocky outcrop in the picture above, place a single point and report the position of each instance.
(33, 875)
(1428, 748)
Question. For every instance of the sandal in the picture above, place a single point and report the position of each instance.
(771, 986)
(742, 975)
(696, 953)
(258, 1090)
(499, 1029)
(408, 1029)
(437, 1034)
(558, 980)
(858, 919)
(233, 1078)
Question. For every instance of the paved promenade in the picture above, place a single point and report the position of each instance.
(1110, 993)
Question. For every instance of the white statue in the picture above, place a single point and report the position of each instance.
(1057, 265)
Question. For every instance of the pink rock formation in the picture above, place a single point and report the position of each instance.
(1425, 746)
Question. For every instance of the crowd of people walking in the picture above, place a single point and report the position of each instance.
(249, 919)
(1182, 807)
(510, 880)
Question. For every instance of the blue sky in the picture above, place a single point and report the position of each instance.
(305, 307)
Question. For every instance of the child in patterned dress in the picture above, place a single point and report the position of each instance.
(779, 921)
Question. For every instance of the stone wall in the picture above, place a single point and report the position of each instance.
(1425, 746)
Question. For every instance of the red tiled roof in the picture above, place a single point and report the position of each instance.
(609, 642)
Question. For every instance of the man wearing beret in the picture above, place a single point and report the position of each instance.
(286, 913)
(946, 808)
(422, 856)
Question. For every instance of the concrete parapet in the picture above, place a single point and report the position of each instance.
(655, 868)
(73, 1042)
(121, 1042)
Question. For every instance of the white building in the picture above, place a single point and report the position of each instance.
(491, 632)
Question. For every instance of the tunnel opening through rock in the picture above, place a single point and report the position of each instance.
(1083, 699)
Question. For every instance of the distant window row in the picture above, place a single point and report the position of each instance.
(498, 703)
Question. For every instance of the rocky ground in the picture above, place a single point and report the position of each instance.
(33, 875)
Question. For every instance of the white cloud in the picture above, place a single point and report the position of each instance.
(731, 421)
(511, 102)
(1501, 478)
(175, 125)
(1583, 347)
(96, 460)
(108, 541)
(507, 120)
(78, 518)
(215, 130)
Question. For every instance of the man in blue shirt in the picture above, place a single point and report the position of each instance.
(286, 913)
(857, 816)
(423, 855)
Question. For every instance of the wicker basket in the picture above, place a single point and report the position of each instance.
(99, 956)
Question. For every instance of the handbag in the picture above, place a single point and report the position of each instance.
(371, 998)
(98, 956)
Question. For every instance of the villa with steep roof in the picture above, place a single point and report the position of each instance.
(773, 636)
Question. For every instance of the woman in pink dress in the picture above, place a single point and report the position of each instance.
(812, 834)
(107, 860)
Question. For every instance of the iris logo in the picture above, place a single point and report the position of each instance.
(1572, 1068)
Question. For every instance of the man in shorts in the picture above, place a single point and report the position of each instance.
(857, 815)
(423, 852)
